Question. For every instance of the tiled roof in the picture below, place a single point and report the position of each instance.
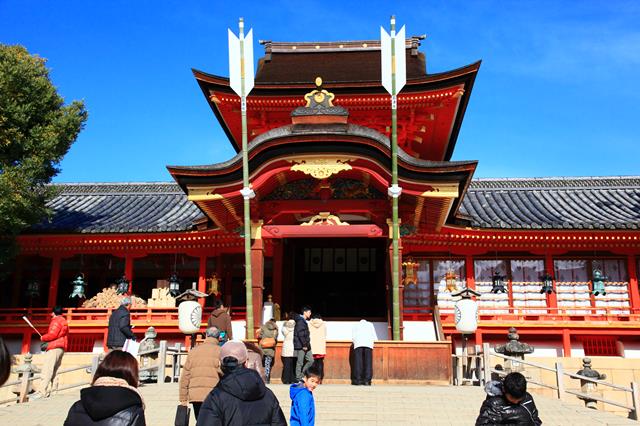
(532, 203)
(119, 208)
(554, 203)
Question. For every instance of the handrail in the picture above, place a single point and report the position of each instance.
(634, 389)
(438, 323)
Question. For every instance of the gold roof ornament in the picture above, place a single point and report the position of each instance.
(319, 97)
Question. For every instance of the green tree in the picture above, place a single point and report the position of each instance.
(36, 131)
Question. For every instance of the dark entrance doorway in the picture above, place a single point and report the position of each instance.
(337, 277)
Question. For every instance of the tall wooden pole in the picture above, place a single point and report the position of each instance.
(246, 192)
(395, 279)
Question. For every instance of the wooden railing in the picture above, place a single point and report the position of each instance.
(559, 385)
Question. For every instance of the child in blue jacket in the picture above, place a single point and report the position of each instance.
(303, 411)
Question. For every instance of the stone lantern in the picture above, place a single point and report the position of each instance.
(587, 386)
(149, 343)
(514, 348)
(25, 369)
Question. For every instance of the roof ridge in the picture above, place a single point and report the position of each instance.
(602, 182)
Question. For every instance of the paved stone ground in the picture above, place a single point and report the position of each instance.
(337, 405)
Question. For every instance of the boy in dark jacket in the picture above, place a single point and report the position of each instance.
(303, 410)
(508, 403)
(302, 342)
(240, 398)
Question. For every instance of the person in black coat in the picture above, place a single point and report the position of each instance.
(508, 403)
(113, 398)
(302, 342)
(241, 397)
(120, 326)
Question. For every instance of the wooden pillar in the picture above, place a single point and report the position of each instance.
(552, 299)
(128, 270)
(53, 281)
(478, 337)
(257, 273)
(277, 270)
(202, 278)
(470, 272)
(566, 343)
(634, 293)
(26, 342)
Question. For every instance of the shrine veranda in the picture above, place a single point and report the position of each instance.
(319, 159)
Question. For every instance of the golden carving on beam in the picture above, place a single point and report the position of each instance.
(321, 168)
(319, 96)
(324, 219)
(199, 193)
(441, 190)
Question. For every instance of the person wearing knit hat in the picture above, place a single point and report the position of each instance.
(241, 397)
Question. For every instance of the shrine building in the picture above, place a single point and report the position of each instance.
(319, 164)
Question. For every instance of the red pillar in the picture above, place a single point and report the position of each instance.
(566, 343)
(53, 282)
(26, 342)
(257, 276)
(552, 299)
(478, 337)
(202, 278)
(634, 293)
(128, 270)
(470, 272)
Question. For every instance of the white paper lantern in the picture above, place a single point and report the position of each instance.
(466, 316)
(189, 317)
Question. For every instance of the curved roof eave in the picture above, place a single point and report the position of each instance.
(323, 130)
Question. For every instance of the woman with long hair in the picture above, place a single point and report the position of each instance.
(113, 398)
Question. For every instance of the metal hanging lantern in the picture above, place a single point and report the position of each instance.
(122, 285)
(497, 283)
(79, 285)
(33, 289)
(213, 285)
(547, 284)
(410, 273)
(451, 280)
(598, 282)
(174, 285)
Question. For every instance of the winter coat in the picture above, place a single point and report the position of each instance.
(318, 332)
(221, 319)
(119, 327)
(287, 344)
(496, 410)
(56, 336)
(269, 329)
(363, 334)
(241, 398)
(301, 337)
(106, 406)
(254, 358)
(201, 371)
(303, 410)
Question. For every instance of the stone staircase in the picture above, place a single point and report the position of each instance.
(339, 405)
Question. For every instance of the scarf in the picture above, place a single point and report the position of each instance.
(114, 381)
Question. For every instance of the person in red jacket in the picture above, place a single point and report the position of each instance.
(56, 343)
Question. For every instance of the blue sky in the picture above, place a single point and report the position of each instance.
(557, 93)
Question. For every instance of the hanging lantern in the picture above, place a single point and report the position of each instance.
(174, 285)
(410, 273)
(33, 289)
(122, 285)
(189, 316)
(547, 284)
(598, 282)
(466, 311)
(213, 285)
(497, 283)
(451, 280)
(79, 285)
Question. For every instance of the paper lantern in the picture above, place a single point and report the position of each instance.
(466, 311)
(189, 316)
